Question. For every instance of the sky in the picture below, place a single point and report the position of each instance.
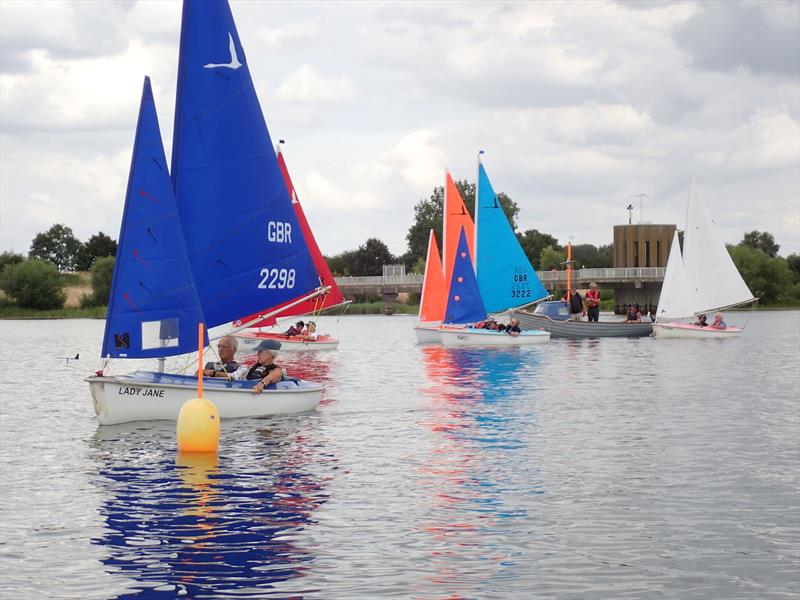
(580, 107)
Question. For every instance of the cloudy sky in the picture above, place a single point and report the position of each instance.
(578, 105)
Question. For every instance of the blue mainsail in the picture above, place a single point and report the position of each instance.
(505, 276)
(153, 309)
(464, 304)
(246, 248)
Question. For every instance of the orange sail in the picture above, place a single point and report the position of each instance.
(456, 216)
(434, 291)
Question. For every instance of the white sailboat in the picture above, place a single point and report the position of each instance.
(701, 280)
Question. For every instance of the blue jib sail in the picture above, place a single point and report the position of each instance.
(505, 275)
(245, 245)
(153, 309)
(464, 304)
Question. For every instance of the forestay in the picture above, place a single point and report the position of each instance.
(505, 276)
(153, 307)
(245, 246)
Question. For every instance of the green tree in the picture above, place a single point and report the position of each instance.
(761, 240)
(33, 284)
(793, 260)
(428, 215)
(533, 243)
(340, 264)
(102, 274)
(770, 279)
(370, 257)
(9, 258)
(98, 245)
(58, 246)
(551, 258)
(589, 256)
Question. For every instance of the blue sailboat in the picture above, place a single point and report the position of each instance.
(217, 241)
(465, 305)
(505, 276)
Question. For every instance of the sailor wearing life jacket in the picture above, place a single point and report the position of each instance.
(265, 371)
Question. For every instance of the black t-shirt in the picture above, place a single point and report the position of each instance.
(575, 304)
(513, 328)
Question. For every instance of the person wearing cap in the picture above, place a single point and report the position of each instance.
(225, 366)
(593, 303)
(702, 321)
(265, 370)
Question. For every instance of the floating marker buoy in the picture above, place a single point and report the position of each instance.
(198, 421)
(198, 426)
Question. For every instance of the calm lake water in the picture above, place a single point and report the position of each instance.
(633, 468)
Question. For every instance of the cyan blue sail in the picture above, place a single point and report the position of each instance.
(245, 245)
(153, 309)
(505, 275)
(464, 304)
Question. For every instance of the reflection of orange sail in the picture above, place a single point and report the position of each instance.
(434, 292)
(456, 216)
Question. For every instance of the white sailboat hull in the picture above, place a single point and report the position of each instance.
(686, 331)
(148, 396)
(249, 341)
(427, 334)
(483, 337)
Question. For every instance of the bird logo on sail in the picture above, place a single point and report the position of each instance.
(234, 64)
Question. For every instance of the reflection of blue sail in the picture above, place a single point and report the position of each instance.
(245, 244)
(200, 527)
(505, 275)
(152, 291)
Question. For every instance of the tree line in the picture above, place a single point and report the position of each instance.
(38, 280)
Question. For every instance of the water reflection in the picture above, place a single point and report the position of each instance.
(481, 413)
(198, 526)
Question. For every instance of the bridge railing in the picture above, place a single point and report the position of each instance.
(582, 275)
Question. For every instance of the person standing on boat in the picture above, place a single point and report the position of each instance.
(265, 370)
(593, 302)
(718, 322)
(226, 366)
(576, 306)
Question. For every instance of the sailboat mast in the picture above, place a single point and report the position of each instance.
(569, 269)
(475, 212)
(444, 228)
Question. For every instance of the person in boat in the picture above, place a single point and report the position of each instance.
(702, 321)
(310, 332)
(593, 303)
(265, 370)
(226, 366)
(513, 328)
(575, 306)
(634, 314)
(718, 322)
(489, 323)
(295, 329)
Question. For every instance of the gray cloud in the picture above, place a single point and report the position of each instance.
(763, 37)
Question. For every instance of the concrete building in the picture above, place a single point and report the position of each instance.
(642, 245)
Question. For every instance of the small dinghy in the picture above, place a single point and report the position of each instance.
(175, 265)
(464, 305)
(700, 280)
(248, 341)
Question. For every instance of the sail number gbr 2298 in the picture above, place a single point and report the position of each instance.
(276, 279)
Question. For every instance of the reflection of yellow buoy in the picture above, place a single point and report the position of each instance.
(198, 421)
(198, 426)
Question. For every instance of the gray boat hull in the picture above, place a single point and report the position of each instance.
(581, 329)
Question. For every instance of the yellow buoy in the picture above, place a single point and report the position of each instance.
(198, 420)
(198, 426)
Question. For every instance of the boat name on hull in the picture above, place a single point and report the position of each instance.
(137, 391)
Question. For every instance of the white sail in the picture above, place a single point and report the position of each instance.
(677, 299)
(710, 272)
